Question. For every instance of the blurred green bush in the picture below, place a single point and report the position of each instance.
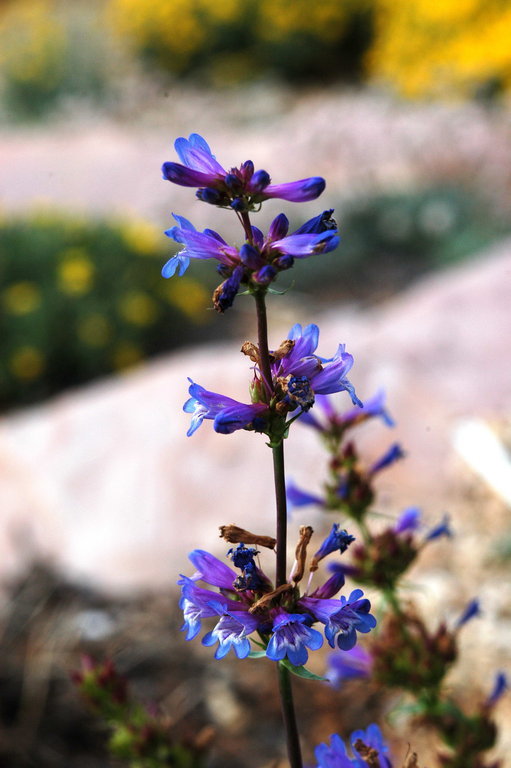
(389, 239)
(50, 51)
(80, 299)
(230, 41)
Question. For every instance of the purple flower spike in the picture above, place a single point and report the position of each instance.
(231, 632)
(291, 637)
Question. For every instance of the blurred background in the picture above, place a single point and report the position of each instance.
(405, 110)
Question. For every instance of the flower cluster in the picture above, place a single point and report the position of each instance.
(298, 375)
(247, 604)
(255, 264)
(259, 260)
(241, 189)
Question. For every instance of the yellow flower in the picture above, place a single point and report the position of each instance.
(189, 296)
(138, 308)
(75, 272)
(94, 330)
(21, 298)
(27, 363)
(126, 355)
(142, 237)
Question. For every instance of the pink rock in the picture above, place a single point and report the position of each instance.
(104, 481)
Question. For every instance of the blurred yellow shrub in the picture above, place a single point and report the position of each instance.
(442, 48)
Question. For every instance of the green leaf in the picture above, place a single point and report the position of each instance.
(256, 654)
(301, 671)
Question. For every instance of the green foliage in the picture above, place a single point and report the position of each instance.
(80, 299)
(387, 240)
(49, 51)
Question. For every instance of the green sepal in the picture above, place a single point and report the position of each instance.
(301, 671)
(281, 293)
(256, 654)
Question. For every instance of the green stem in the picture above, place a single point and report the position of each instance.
(286, 693)
(288, 713)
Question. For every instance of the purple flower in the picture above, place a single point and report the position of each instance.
(329, 419)
(231, 632)
(197, 245)
(248, 604)
(343, 618)
(239, 188)
(337, 540)
(472, 610)
(500, 686)
(297, 375)
(324, 376)
(442, 529)
(336, 755)
(394, 453)
(255, 264)
(298, 498)
(409, 520)
(348, 665)
(291, 638)
(371, 737)
(228, 415)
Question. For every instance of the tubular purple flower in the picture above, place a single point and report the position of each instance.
(472, 610)
(348, 665)
(337, 540)
(297, 191)
(196, 603)
(409, 520)
(394, 453)
(291, 638)
(500, 686)
(197, 245)
(442, 529)
(298, 498)
(211, 570)
(343, 618)
(199, 167)
(231, 632)
(333, 585)
(301, 246)
(228, 414)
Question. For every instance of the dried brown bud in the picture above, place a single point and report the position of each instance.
(265, 600)
(284, 349)
(251, 350)
(411, 761)
(235, 535)
(305, 534)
